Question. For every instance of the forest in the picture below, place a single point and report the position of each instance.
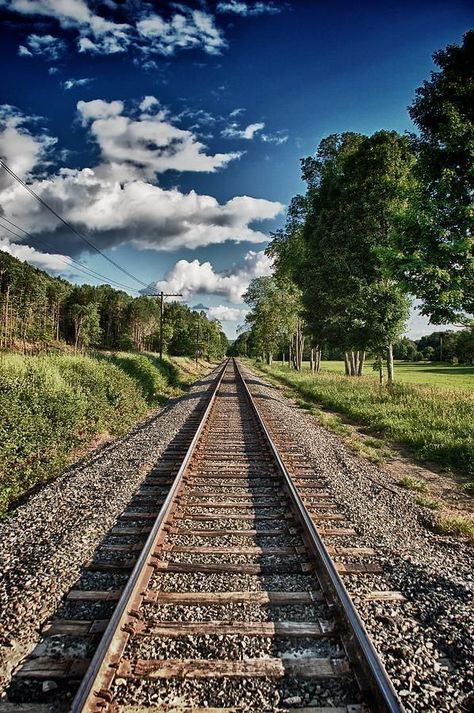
(39, 312)
(385, 219)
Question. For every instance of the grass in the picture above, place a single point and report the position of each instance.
(410, 483)
(436, 424)
(54, 406)
(441, 374)
(456, 525)
(429, 503)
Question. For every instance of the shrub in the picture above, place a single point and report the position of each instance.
(50, 406)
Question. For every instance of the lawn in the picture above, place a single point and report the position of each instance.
(436, 424)
(448, 376)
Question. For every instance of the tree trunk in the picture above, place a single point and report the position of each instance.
(318, 360)
(311, 359)
(360, 370)
(390, 376)
(347, 365)
(352, 363)
(381, 372)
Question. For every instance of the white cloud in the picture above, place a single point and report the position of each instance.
(136, 212)
(193, 277)
(226, 314)
(19, 148)
(233, 132)
(148, 103)
(279, 137)
(147, 145)
(95, 33)
(99, 109)
(71, 83)
(24, 51)
(144, 30)
(236, 112)
(248, 9)
(190, 29)
(46, 46)
(113, 202)
(25, 253)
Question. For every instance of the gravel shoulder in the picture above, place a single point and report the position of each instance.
(427, 643)
(46, 540)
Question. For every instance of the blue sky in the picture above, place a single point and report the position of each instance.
(170, 133)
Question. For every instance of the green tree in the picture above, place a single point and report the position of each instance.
(434, 251)
(357, 187)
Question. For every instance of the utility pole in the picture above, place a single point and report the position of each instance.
(197, 342)
(162, 295)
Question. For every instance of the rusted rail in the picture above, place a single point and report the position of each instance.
(232, 484)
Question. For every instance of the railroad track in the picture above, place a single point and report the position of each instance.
(235, 602)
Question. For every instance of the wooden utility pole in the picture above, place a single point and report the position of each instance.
(197, 342)
(162, 295)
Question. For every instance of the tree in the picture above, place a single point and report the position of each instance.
(357, 187)
(86, 324)
(434, 251)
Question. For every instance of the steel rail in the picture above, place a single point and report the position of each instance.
(86, 697)
(369, 669)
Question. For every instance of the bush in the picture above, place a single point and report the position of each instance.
(50, 406)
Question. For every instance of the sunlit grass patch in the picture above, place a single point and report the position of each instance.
(456, 525)
(426, 502)
(413, 484)
(437, 425)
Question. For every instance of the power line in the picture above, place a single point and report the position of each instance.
(67, 261)
(67, 224)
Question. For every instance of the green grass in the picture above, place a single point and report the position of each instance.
(456, 525)
(436, 424)
(51, 407)
(410, 483)
(447, 376)
(426, 502)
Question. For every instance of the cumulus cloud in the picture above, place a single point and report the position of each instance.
(193, 277)
(226, 314)
(248, 9)
(25, 253)
(148, 144)
(82, 82)
(19, 147)
(114, 202)
(233, 132)
(46, 46)
(148, 102)
(99, 109)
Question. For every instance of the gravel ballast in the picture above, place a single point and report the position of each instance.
(45, 541)
(427, 643)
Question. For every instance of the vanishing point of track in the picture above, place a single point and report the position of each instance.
(234, 602)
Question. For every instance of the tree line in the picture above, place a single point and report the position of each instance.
(384, 218)
(37, 311)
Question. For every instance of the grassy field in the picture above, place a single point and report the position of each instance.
(448, 376)
(437, 424)
(53, 406)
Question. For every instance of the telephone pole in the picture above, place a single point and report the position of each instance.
(197, 342)
(162, 295)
